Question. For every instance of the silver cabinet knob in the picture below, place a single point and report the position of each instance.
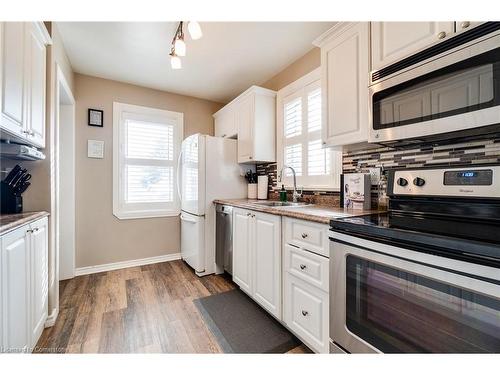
(442, 35)
(249, 214)
(223, 135)
(465, 24)
(305, 313)
(253, 215)
(303, 266)
(29, 231)
(25, 131)
(304, 235)
(250, 157)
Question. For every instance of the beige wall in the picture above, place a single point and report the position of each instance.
(101, 237)
(307, 63)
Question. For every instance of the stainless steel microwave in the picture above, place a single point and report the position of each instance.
(439, 92)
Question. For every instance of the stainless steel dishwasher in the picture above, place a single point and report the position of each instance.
(224, 237)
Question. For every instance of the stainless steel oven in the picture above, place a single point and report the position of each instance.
(388, 299)
(451, 87)
(425, 275)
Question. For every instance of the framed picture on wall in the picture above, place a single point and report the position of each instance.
(96, 117)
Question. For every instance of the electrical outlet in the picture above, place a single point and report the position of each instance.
(374, 175)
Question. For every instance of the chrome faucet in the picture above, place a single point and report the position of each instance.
(296, 194)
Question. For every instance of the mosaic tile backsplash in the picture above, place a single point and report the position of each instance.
(457, 154)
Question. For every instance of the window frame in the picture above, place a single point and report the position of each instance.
(298, 89)
(124, 210)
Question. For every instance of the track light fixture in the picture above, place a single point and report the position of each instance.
(178, 47)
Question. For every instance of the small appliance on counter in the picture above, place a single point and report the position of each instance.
(12, 187)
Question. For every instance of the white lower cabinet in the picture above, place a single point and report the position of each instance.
(23, 286)
(39, 278)
(257, 257)
(306, 312)
(306, 282)
(15, 291)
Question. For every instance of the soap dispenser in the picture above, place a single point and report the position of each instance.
(283, 194)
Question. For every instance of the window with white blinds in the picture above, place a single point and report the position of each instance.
(299, 137)
(146, 143)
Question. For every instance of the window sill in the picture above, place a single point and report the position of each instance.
(144, 215)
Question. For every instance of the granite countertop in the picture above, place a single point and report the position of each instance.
(10, 222)
(316, 213)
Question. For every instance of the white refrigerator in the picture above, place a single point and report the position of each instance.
(207, 170)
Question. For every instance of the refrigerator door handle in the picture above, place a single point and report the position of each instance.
(178, 176)
(184, 218)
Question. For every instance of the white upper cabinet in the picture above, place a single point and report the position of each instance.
(36, 56)
(12, 77)
(344, 79)
(225, 123)
(23, 81)
(393, 41)
(251, 117)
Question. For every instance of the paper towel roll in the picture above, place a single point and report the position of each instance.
(262, 186)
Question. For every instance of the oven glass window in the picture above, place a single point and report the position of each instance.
(396, 311)
(467, 86)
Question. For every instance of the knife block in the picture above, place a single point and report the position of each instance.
(10, 202)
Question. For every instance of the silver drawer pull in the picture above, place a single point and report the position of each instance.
(305, 313)
(442, 35)
(304, 235)
(465, 24)
(303, 266)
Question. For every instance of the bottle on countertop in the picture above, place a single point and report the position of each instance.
(282, 192)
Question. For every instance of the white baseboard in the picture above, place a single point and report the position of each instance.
(51, 319)
(125, 264)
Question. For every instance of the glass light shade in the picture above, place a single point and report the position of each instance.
(176, 62)
(180, 47)
(194, 30)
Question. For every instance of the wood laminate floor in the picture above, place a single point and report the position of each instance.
(147, 309)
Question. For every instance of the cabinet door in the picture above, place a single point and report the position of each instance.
(35, 56)
(14, 290)
(392, 41)
(242, 256)
(245, 121)
(39, 278)
(13, 84)
(344, 70)
(225, 124)
(267, 262)
(306, 313)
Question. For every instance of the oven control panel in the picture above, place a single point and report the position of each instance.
(453, 182)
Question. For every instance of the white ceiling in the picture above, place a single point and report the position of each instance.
(229, 58)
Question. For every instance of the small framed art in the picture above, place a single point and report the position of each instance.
(96, 117)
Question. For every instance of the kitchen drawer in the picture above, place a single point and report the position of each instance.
(307, 235)
(307, 266)
(306, 313)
